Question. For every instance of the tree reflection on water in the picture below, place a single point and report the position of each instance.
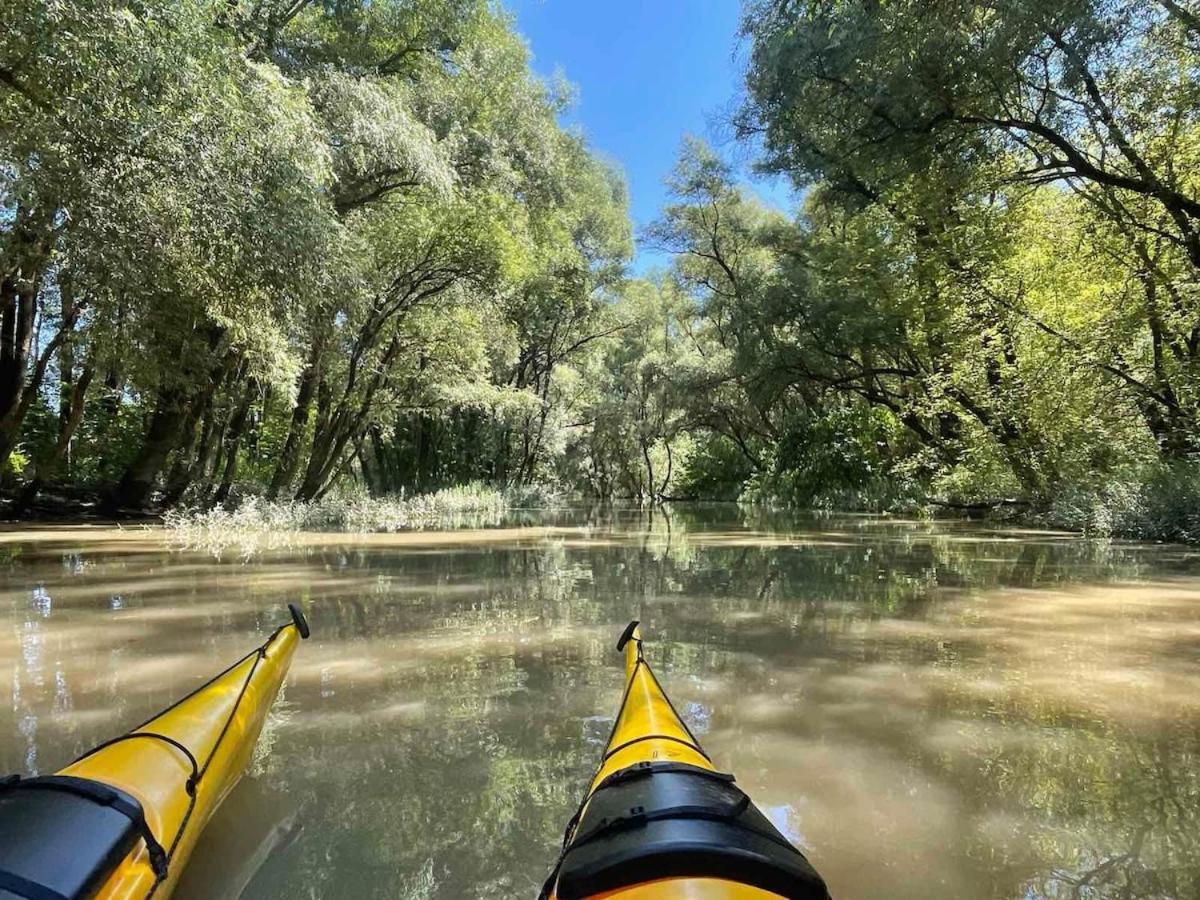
(933, 710)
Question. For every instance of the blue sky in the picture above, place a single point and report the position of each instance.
(647, 73)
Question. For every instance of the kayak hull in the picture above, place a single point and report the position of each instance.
(122, 820)
(220, 725)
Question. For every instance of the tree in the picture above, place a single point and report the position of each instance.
(953, 126)
(639, 413)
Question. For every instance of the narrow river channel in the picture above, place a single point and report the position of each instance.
(931, 710)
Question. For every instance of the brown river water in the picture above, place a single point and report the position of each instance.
(930, 710)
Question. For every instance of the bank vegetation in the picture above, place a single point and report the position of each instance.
(285, 249)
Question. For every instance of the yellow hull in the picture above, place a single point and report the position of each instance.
(650, 735)
(181, 764)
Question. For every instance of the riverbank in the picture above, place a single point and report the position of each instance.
(1160, 504)
(1151, 503)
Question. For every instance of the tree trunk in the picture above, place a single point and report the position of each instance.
(27, 385)
(326, 463)
(339, 470)
(321, 451)
(338, 426)
(70, 415)
(162, 436)
(420, 452)
(194, 457)
(233, 442)
(368, 462)
(18, 309)
(382, 470)
(114, 378)
(649, 470)
(189, 460)
(662, 491)
(289, 457)
(66, 396)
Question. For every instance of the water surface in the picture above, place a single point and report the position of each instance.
(931, 711)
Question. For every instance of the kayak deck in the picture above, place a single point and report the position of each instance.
(660, 822)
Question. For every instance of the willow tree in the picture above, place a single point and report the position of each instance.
(182, 231)
(641, 400)
(1095, 96)
(581, 240)
(447, 157)
(722, 241)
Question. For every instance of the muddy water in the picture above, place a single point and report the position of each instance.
(931, 711)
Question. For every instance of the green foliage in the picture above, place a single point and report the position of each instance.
(823, 454)
(997, 253)
(1161, 503)
(716, 469)
(270, 230)
(295, 250)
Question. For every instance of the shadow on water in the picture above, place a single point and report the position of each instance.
(932, 710)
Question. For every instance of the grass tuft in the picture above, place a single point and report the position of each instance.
(255, 520)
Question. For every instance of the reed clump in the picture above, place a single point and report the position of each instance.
(256, 519)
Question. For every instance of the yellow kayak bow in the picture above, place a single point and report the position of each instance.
(122, 820)
(660, 822)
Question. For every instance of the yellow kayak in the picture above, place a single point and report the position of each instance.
(122, 820)
(660, 822)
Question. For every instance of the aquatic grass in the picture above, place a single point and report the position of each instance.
(258, 522)
(1157, 502)
(535, 496)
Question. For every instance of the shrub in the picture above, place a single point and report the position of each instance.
(1159, 503)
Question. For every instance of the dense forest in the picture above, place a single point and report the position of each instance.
(285, 248)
